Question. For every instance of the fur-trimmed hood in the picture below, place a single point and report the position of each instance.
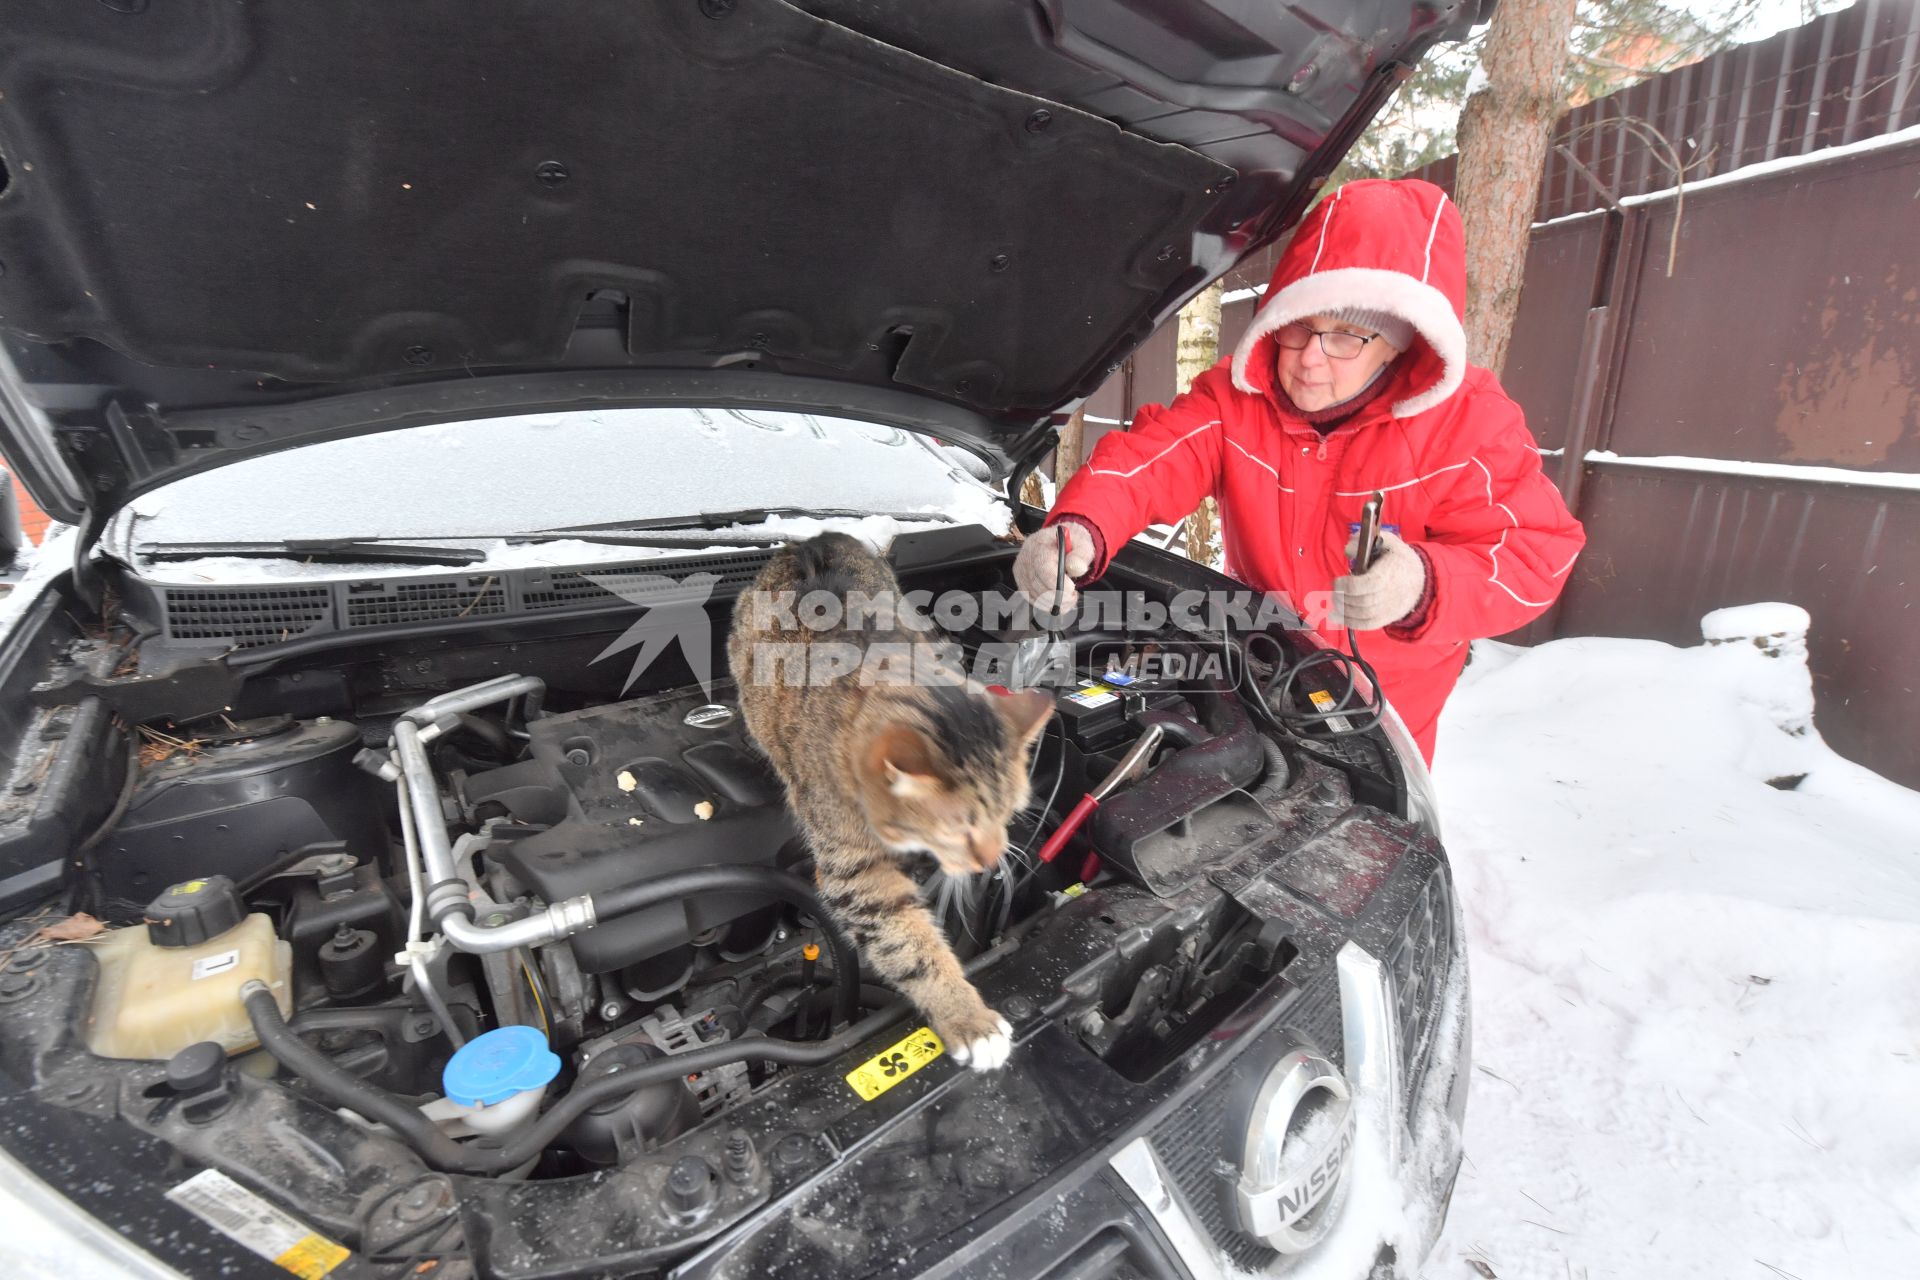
(1393, 246)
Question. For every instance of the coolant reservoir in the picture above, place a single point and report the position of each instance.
(177, 981)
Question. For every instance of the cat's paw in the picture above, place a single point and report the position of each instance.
(984, 1042)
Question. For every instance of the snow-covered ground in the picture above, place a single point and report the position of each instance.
(1696, 998)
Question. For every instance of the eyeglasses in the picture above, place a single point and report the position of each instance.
(1335, 344)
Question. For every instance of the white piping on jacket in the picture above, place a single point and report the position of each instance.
(1433, 231)
(1104, 471)
(1258, 463)
(1493, 556)
(1322, 246)
(1389, 488)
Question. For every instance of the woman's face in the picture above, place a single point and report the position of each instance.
(1314, 380)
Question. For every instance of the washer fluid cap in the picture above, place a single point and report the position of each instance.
(493, 1067)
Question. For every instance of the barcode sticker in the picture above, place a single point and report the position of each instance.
(243, 1216)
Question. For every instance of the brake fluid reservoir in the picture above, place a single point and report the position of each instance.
(177, 981)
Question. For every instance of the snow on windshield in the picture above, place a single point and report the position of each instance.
(475, 481)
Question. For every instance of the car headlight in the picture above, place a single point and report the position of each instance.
(1299, 1138)
(1423, 806)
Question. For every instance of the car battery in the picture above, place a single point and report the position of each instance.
(1097, 714)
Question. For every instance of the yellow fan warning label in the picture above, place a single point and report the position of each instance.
(894, 1063)
(261, 1227)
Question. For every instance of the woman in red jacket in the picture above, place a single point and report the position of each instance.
(1352, 380)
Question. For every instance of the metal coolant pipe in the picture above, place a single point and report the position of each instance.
(473, 697)
(446, 891)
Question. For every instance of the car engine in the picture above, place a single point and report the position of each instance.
(525, 927)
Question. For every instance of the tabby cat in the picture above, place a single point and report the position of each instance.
(878, 769)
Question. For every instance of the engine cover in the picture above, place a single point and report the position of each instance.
(634, 790)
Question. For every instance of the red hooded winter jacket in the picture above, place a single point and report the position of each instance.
(1443, 442)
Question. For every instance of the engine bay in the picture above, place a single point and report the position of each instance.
(373, 861)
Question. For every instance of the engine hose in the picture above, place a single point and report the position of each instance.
(495, 735)
(345, 1089)
(771, 881)
(872, 996)
(341, 1087)
(86, 892)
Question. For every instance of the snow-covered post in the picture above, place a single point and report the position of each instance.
(1776, 635)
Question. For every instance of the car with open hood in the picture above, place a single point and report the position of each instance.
(390, 887)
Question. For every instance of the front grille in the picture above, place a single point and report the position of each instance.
(1194, 1145)
(247, 617)
(1419, 962)
(1110, 1254)
(1201, 1157)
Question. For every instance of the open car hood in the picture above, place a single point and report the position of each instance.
(228, 228)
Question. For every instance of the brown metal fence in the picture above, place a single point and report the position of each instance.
(1747, 426)
(1843, 77)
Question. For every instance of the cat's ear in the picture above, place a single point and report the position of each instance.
(1026, 713)
(901, 760)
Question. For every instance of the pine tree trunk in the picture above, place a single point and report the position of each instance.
(1033, 493)
(1072, 449)
(1504, 132)
(1196, 350)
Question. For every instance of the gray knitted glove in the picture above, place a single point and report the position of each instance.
(1037, 569)
(1385, 593)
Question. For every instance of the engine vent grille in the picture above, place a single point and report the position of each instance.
(386, 604)
(571, 588)
(252, 617)
(247, 617)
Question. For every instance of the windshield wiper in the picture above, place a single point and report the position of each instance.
(321, 550)
(702, 529)
(744, 516)
(696, 530)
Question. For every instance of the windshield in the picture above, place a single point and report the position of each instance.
(483, 482)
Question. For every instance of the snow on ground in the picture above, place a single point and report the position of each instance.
(1696, 998)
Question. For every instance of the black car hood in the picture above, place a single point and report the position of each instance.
(229, 227)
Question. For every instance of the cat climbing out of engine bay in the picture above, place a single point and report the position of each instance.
(879, 765)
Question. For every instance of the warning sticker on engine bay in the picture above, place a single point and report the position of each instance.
(894, 1063)
(244, 1217)
(1323, 702)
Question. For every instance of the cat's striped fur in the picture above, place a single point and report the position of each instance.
(878, 771)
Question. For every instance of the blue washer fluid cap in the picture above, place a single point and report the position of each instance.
(493, 1067)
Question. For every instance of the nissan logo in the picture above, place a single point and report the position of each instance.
(712, 715)
(1299, 1141)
